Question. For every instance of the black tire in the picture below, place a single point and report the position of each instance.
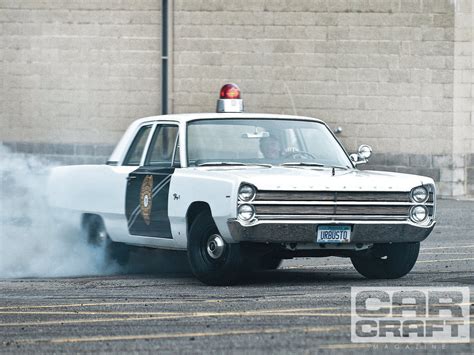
(225, 269)
(97, 236)
(269, 262)
(387, 261)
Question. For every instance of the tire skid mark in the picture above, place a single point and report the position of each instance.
(297, 312)
(163, 315)
(443, 260)
(264, 311)
(350, 265)
(109, 304)
(448, 253)
(450, 247)
(269, 298)
(234, 332)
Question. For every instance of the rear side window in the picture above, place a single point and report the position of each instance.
(135, 152)
(163, 146)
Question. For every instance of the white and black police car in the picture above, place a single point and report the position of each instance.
(241, 191)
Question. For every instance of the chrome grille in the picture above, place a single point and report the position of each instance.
(324, 205)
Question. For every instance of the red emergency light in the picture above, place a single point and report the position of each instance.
(230, 91)
(229, 99)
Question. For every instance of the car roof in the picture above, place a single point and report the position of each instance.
(187, 117)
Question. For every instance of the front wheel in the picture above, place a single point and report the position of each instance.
(213, 261)
(387, 261)
(97, 237)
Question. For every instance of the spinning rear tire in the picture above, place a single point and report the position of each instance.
(97, 236)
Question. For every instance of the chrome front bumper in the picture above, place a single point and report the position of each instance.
(375, 232)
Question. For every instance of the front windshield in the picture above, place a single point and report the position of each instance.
(263, 141)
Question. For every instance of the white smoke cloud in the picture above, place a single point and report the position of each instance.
(32, 244)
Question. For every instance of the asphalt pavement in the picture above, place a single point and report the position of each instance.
(304, 307)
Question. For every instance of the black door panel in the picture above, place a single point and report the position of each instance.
(146, 205)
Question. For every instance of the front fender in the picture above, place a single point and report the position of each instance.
(191, 185)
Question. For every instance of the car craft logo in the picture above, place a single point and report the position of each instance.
(410, 315)
(146, 198)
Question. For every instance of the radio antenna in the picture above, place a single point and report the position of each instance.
(291, 98)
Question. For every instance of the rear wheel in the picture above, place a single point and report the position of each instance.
(97, 236)
(387, 261)
(213, 261)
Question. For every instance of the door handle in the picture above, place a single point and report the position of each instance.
(129, 178)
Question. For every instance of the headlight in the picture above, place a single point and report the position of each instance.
(419, 194)
(246, 212)
(418, 214)
(247, 192)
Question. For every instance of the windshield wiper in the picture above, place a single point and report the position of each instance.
(211, 163)
(302, 163)
(260, 164)
(230, 163)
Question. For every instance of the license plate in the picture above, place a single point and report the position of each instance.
(333, 234)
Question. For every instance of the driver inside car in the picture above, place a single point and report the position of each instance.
(271, 148)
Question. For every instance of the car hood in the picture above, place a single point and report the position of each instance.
(315, 178)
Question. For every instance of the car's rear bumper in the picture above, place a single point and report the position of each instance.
(306, 232)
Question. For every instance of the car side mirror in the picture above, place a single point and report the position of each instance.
(363, 154)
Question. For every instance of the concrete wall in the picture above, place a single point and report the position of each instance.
(463, 119)
(377, 68)
(396, 74)
(77, 71)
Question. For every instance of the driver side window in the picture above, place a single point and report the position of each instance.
(163, 147)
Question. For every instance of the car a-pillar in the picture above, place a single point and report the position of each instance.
(212, 260)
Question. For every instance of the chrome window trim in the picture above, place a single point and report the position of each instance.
(176, 145)
(183, 145)
(147, 144)
(268, 118)
(150, 138)
(125, 155)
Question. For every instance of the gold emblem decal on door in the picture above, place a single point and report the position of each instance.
(146, 198)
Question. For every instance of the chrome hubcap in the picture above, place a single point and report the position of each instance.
(215, 246)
